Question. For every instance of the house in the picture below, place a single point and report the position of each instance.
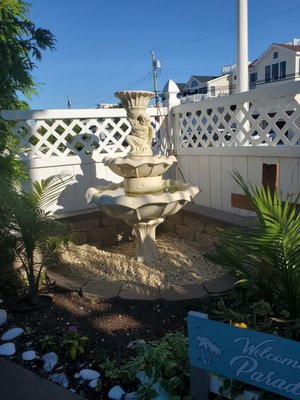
(200, 87)
(279, 64)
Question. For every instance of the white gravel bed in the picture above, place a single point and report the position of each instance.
(180, 263)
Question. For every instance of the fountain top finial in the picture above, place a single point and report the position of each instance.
(136, 102)
(135, 98)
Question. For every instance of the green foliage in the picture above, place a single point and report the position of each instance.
(47, 342)
(231, 389)
(75, 343)
(266, 256)
(29, 229)
(11, 167)
(28, 331)
(21, 43)
(165, 362)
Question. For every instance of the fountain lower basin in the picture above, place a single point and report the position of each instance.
(143, 207)
(144, 212)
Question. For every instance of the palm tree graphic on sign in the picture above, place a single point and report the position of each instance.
(208, 349)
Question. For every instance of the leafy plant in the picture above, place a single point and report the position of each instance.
(231, 389)
(74, 342)
(21, 43)
(266, 255)
(164, 362)
(28, 331)
(47, 342)
(30, 229)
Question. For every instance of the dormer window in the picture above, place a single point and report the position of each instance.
(275, 55)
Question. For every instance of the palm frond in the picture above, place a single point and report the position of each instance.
(46, 192)
(267, 254)
(26, 220)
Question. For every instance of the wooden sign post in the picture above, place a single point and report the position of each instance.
(261, 360)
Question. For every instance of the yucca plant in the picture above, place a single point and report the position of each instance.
(267, 254)
(32, 230)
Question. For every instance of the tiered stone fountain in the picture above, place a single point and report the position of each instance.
(144, 199)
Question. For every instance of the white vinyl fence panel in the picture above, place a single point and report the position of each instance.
(76, 141)
(239, 132)
(211, 138)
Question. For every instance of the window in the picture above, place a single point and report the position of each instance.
(194, 83)
(275, 71)
(275, 55)
(213, 91)
(267, 73)
(253, 79)
(203, 90)
(283, 70)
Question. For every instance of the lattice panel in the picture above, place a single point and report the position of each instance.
(269, 122)
(160, 142)
(68, 137)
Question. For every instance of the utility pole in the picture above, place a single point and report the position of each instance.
(156, 66)
(242, 65)
(242, 46)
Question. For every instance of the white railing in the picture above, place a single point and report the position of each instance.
(211, 138)
(76, 141)
(65, 133)
(239, 132)
(262, 117)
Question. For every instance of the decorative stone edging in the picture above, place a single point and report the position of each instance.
(106, 290)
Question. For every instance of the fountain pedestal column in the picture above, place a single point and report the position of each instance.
(146, 247)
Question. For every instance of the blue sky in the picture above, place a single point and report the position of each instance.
(104, 46)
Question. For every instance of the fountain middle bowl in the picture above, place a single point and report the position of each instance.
(113, 201)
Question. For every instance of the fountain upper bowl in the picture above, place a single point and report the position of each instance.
(141, 167)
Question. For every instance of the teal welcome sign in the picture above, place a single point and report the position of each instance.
(265, 361)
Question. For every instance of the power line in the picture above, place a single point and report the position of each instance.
(127, 87)
(112, 77)
(260, 82)
(133, 84)
(270, 16)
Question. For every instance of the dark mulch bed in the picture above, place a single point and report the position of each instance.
(110, 325)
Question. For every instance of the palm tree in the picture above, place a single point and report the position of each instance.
(267, 254)
(30, 228)
(204, 344)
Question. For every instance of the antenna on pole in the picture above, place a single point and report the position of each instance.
(156, 66)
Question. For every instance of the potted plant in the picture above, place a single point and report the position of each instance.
(34, 234)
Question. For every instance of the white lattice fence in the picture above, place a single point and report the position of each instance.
(64, 133)
(239, 132)
(76, 141)
(261, 117)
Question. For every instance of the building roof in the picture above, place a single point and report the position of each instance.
(180, 85)
(203, 78)
(290, 46)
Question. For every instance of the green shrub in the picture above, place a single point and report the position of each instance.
(30, 229)
(266, 255)
(165, 362)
